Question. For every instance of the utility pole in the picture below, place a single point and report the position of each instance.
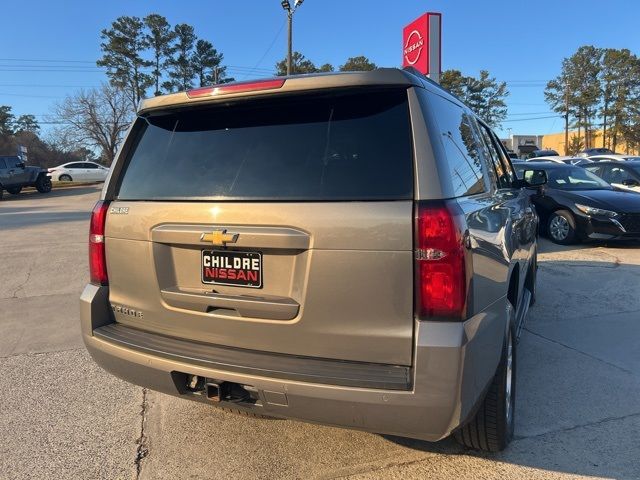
(290, 11)
(289, 40)
(566, 118)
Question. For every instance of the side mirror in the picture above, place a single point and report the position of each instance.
(534, 178)
(20, 164)
(630, 182)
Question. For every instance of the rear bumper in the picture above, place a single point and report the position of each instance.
(453, 364)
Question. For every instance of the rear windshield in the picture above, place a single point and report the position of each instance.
(349, 146)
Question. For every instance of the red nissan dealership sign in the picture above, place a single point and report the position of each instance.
(421, 45)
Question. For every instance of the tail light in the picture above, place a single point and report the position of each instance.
(97, 257)
(236, 88)
(441, 286)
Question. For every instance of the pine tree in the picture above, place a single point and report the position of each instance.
(358, 64)
(26, 123)
(122, 48)
(159, 39)
(180, 65)
(484, 95)
(299, 64)
(206, 62)
(327, 67)
(6, 120)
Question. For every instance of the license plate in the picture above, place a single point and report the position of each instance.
(227, 267)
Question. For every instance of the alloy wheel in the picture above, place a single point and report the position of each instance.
(559, 228)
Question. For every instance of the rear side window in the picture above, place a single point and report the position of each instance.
(461, 145)
(495, 156)
(353, 146)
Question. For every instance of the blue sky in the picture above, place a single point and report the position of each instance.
(521, 42)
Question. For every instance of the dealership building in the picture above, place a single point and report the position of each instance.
(525, 144)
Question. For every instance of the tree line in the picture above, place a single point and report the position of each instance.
(598, 89)
(10, 124)
(148, 53)
(484, 94)
(25, 130)
(301, 65)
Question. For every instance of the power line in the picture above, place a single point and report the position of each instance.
(18, 65)
(35, 85)
(44, 60)
(78, 68)
(527, 119)
(529, 113)
(273, 42)
(521, 81)
(248, 69)
(27, 95)
(50, 70)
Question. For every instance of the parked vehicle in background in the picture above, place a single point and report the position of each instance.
(542, 153)
(79, 172)
(595, 151)
(561, 159)
(350, 249)
(615, 158)
(15, 175)
(513, 155)
(622, 175)
(544, 159)
(577, 205)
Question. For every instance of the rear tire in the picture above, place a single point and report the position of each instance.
(561, 227)
(491, 429)
(14, 190)
(43, 184)
(65, 178)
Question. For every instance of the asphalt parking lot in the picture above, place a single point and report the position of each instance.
(61, 416)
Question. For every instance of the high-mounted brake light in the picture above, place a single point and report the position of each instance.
(97, 257)
(223, 89)
(441, 286)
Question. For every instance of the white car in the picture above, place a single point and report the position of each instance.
(561, 159)
(615, 158)
(79, 172)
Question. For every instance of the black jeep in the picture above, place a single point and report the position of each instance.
(14, 175)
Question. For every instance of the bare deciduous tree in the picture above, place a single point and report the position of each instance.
(95, 119)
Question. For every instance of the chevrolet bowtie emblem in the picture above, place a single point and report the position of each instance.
(219, 237)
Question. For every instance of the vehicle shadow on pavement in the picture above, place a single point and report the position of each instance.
(33, 194)
(36, 219)
(546, 245)
(5, 210)
(578, 387)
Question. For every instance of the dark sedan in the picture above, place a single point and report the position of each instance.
(577, 205)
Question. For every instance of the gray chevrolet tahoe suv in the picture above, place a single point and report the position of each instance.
(351, 249)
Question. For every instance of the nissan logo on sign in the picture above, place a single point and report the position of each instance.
(413, 47)
(421, 45)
